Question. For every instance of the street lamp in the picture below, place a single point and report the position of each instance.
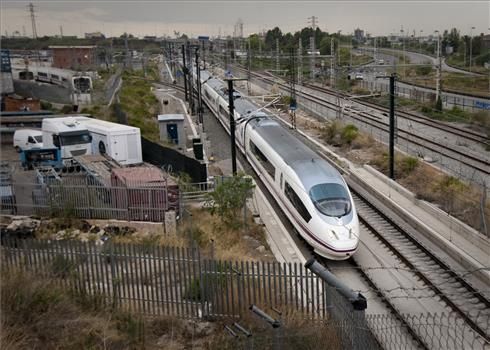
(420, 40)
(471, 44)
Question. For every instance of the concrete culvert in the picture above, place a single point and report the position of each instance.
(165, 102)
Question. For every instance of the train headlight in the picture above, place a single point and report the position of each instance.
(334, 235)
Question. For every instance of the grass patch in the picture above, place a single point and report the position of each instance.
(404, 165)
(140, 104)
(37, 313)
(338, 135)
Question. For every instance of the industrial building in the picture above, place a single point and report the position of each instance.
(73, 57)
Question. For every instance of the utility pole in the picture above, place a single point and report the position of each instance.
(127, 59)
(199, 96)
(403, 47)
(332, 63)
(61, 32)
(471, 46)
(300, 62)
(232, 126)
(392, 127)
(33, 20)
(420, 40)
(312, 58)
(313, 20)
(464, 55)
(260, 52)
(438, 71)
(278, 66)
(292, 89)
(184, 70)
(350, 51)
(191, 83)
(249, 61)
(375, 50)
(203, 50)
(231, 107)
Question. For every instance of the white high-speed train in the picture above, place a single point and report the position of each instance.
(310, 191)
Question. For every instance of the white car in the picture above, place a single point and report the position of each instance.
(27, 139)
(359, 76)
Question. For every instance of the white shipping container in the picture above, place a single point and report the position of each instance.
(120, 142)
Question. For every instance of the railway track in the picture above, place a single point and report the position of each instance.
(452, 289)
(472, 161)
(437, 277)
(457, 131)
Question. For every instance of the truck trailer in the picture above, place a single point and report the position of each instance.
(120, 142)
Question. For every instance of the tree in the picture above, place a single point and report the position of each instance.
(254, 40)
(229, 197)
(453, 39)
(271, 36)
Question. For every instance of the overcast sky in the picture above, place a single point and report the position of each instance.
(214, 17)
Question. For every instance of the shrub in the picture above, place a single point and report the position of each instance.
(349, 133)
(423, 70)
(229, 197)
(331, 131)
(45, 105)
(67, 109)
(408, 164)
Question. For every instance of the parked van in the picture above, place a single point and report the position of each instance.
(25, 139)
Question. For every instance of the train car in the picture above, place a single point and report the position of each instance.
(310, 191)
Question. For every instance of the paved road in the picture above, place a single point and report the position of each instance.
(415, 58)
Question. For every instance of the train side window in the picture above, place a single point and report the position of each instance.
(280, 181)
(296, 202)
(271, 170)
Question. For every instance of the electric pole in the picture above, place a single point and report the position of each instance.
(184, 70)
(61, 32)
(191, 84)
(278, 67)
(33, 20)
(438, 73)
(312, 58)
(313, 20)
(332, 63)
(392, 127)
(471, 46)
(300, 62)
(260, 52)
(249, 61)
(199, 96)
(231, 107)
(292, 89)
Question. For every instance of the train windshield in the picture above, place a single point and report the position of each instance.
(331, 199)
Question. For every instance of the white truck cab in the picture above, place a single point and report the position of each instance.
(25, 139)
(67, 134)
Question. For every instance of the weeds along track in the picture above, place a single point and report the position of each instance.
(474, 162)
(467, 134)
(471, 305)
